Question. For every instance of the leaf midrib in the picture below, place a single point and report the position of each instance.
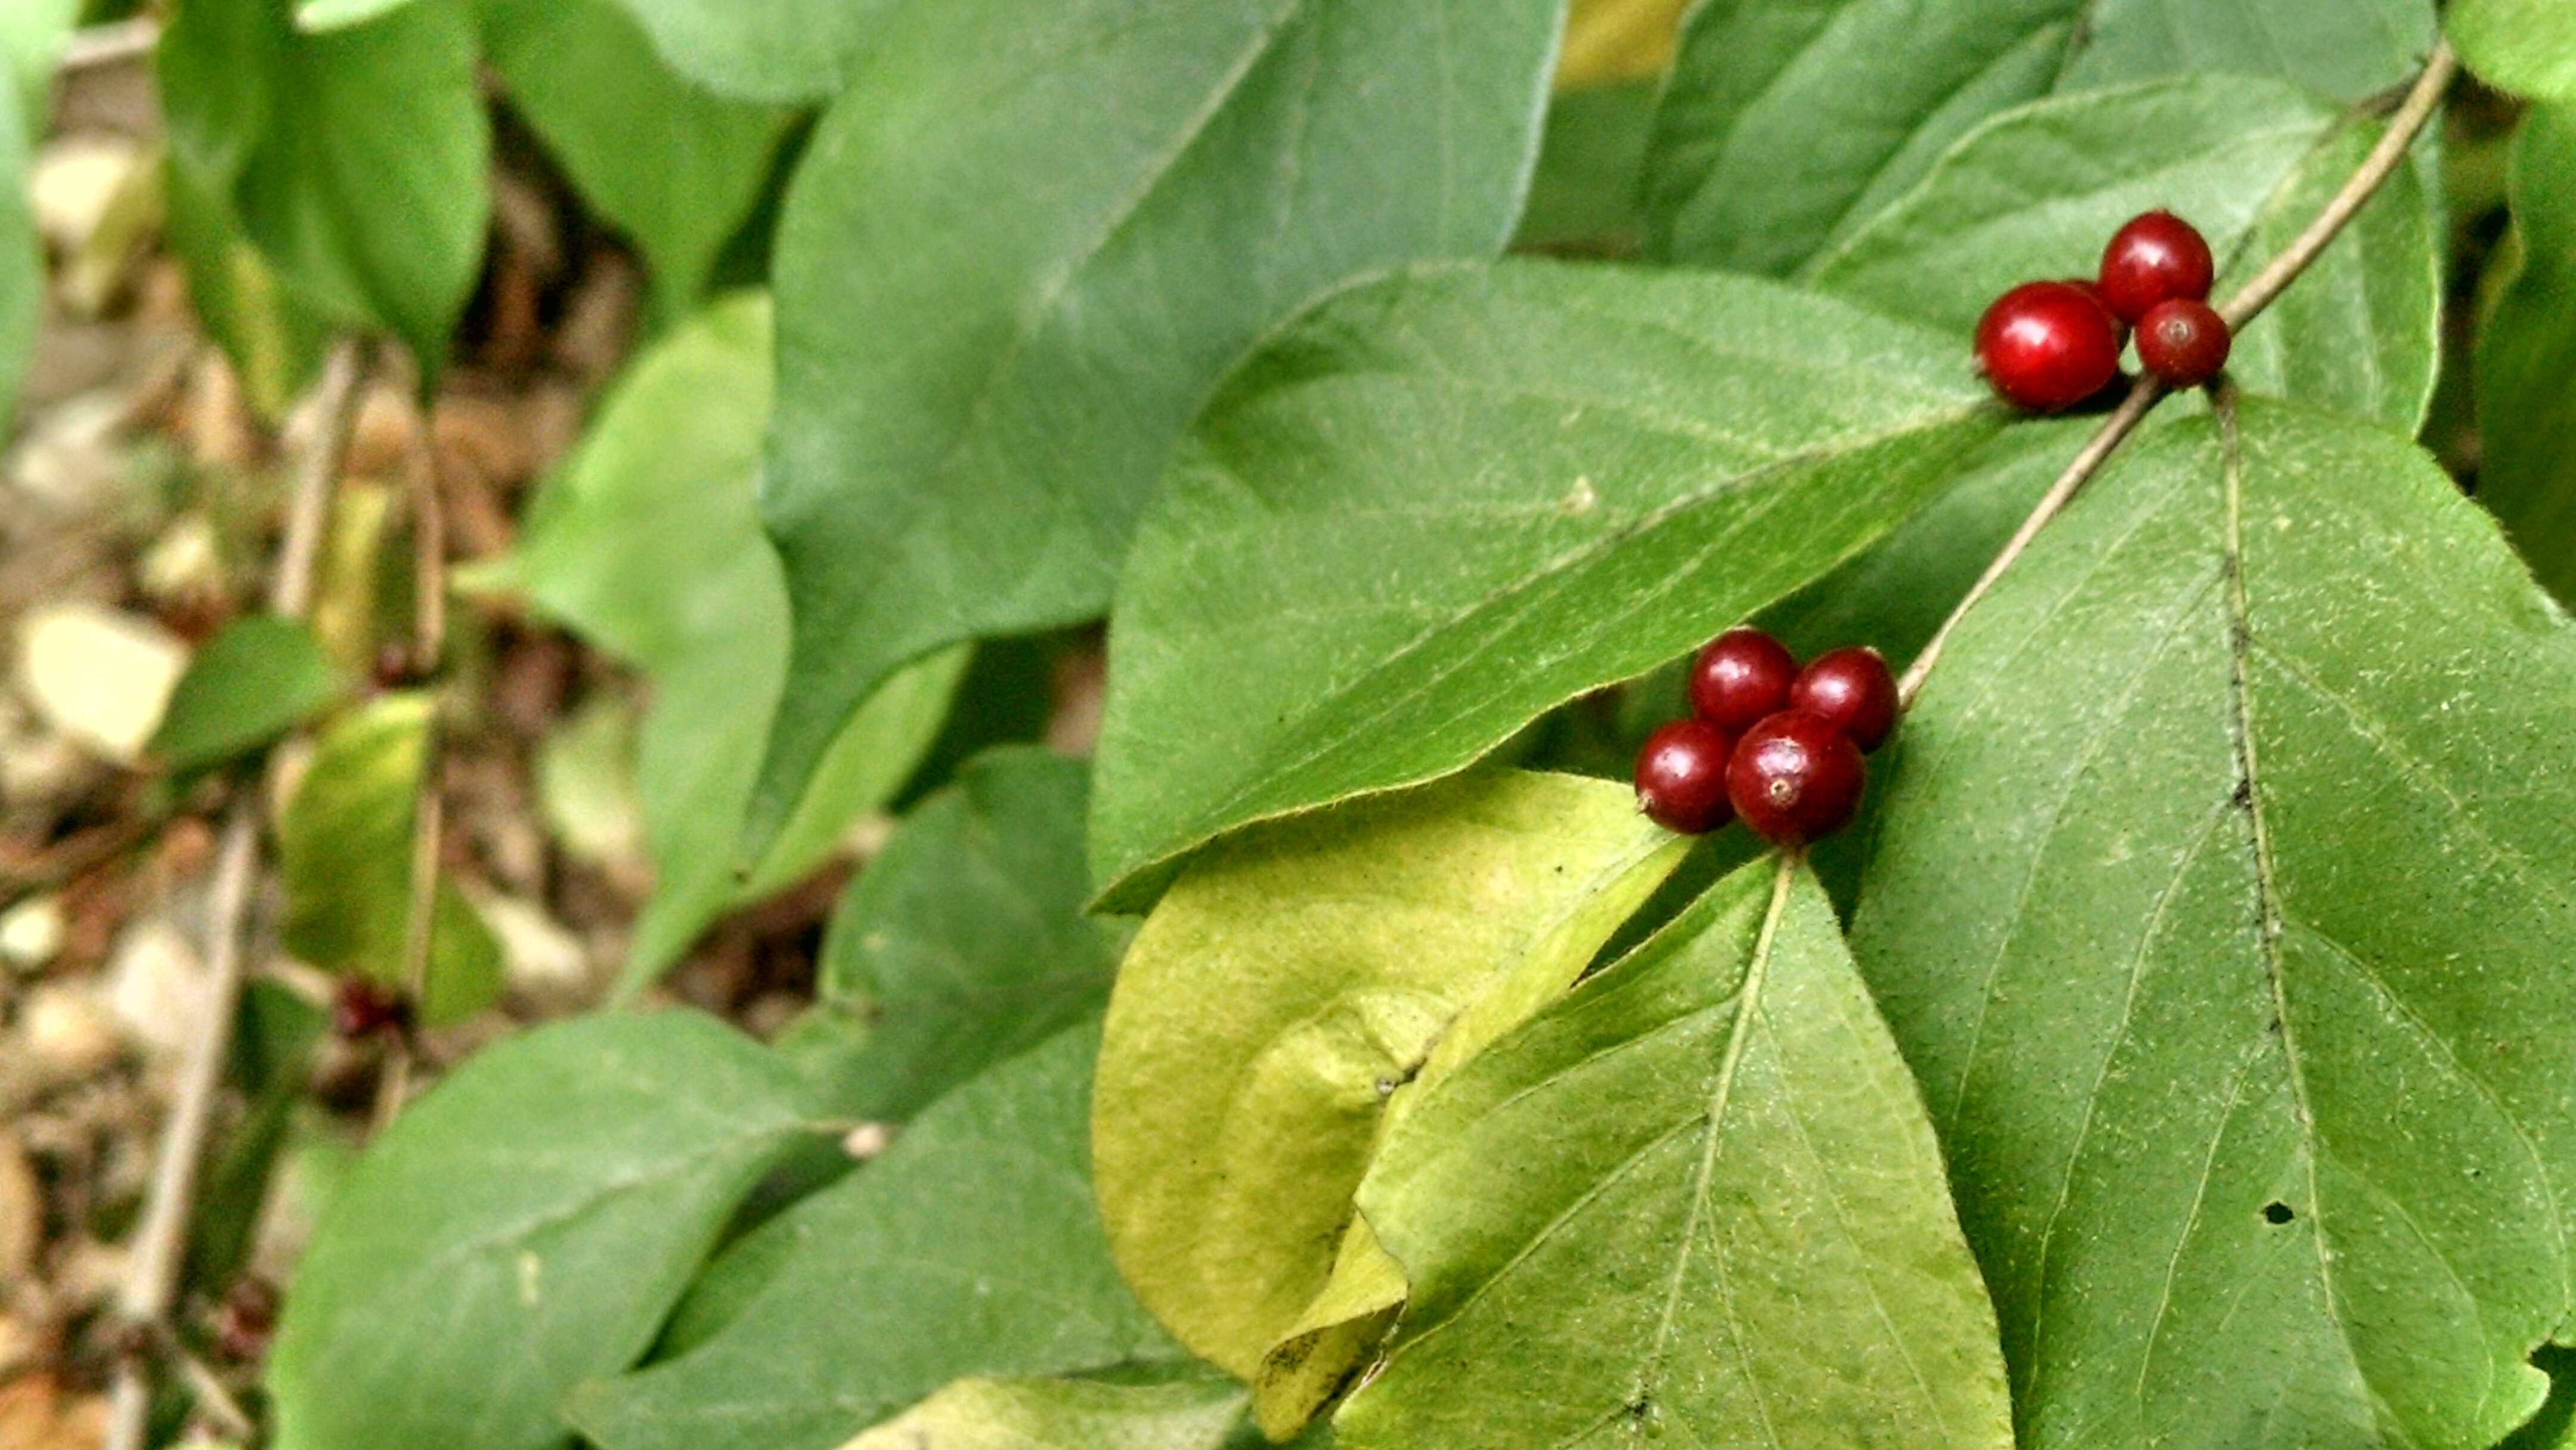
(2270, 926)
(1748, 1004)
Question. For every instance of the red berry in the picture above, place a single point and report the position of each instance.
(2156, 258)
(1681, 777)
(2183, 342)
(2047, 345)
(1742, 675)
(363, 1009)
(1794, 778)
(1852, 688)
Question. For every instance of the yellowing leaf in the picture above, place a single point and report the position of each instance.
(1292, 983)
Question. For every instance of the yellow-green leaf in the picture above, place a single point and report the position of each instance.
(1292, 984)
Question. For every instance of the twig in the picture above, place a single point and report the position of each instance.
(160, 1242)
(2295, 258)
(2132, 411)
(110, 44)
(428, 824)
(2248, 303)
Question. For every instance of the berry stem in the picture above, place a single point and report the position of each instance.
(2250, 300)
(2403, 127)
(2143, 397)
(161, 1240)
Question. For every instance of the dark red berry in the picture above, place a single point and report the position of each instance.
(1795, 778)
(2183, 342)
(363, 1009)
(1852, 688)
(1741, 676)
(2156, 258)
(246, 1320)
(396, 667)
(2047, 345)
(1681, 777)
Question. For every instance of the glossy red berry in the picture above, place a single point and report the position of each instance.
(2156, 258)
(1741, 676)
(1852, 688)
(1681, 777)
(1795, 778)
(2183, 342)
(2047, 345)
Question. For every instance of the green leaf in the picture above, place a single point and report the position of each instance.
(1297, 987)
(22, 269)
(2527, 352)
(273, 338)
(1698, 1196)
(1190, 1411)
(980, 379)
(1784, 128)
(355, 159)
(2035, 191)
(2221, 903)
(776, 50)
(1583, 197)
(259, 677)
(344, 849)
(971, 1247)
(32, 36)
(648, 544)
(525, 1225)
(964, 942)
(2524, 46)
(586, 75)
(1448, 502)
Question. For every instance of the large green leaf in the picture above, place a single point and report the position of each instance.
(344, 849)
(2527, 354)
(1785, 127)
(1191, 1410)
(767, 50)
(648, 543)
(971, 1247)
(1002, 301)
(1448, 502)
(259, 677)
(1698, 1197)
(2035, 191)
(964, 942)
(355, 158)
(585, 75)
(2524, 46)
(526, 1224)
(1298, 986)
(2221, 900)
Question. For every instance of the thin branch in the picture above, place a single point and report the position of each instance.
(2384, 158)
(160, 1243)
(2132, 411)
(427, 651)
(2421, 98)
(110, 44)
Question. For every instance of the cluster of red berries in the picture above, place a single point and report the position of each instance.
(1768, 741)
(2052, 345)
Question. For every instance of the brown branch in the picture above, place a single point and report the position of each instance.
(2421, 98)
(426, 656)
(160, 1242)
